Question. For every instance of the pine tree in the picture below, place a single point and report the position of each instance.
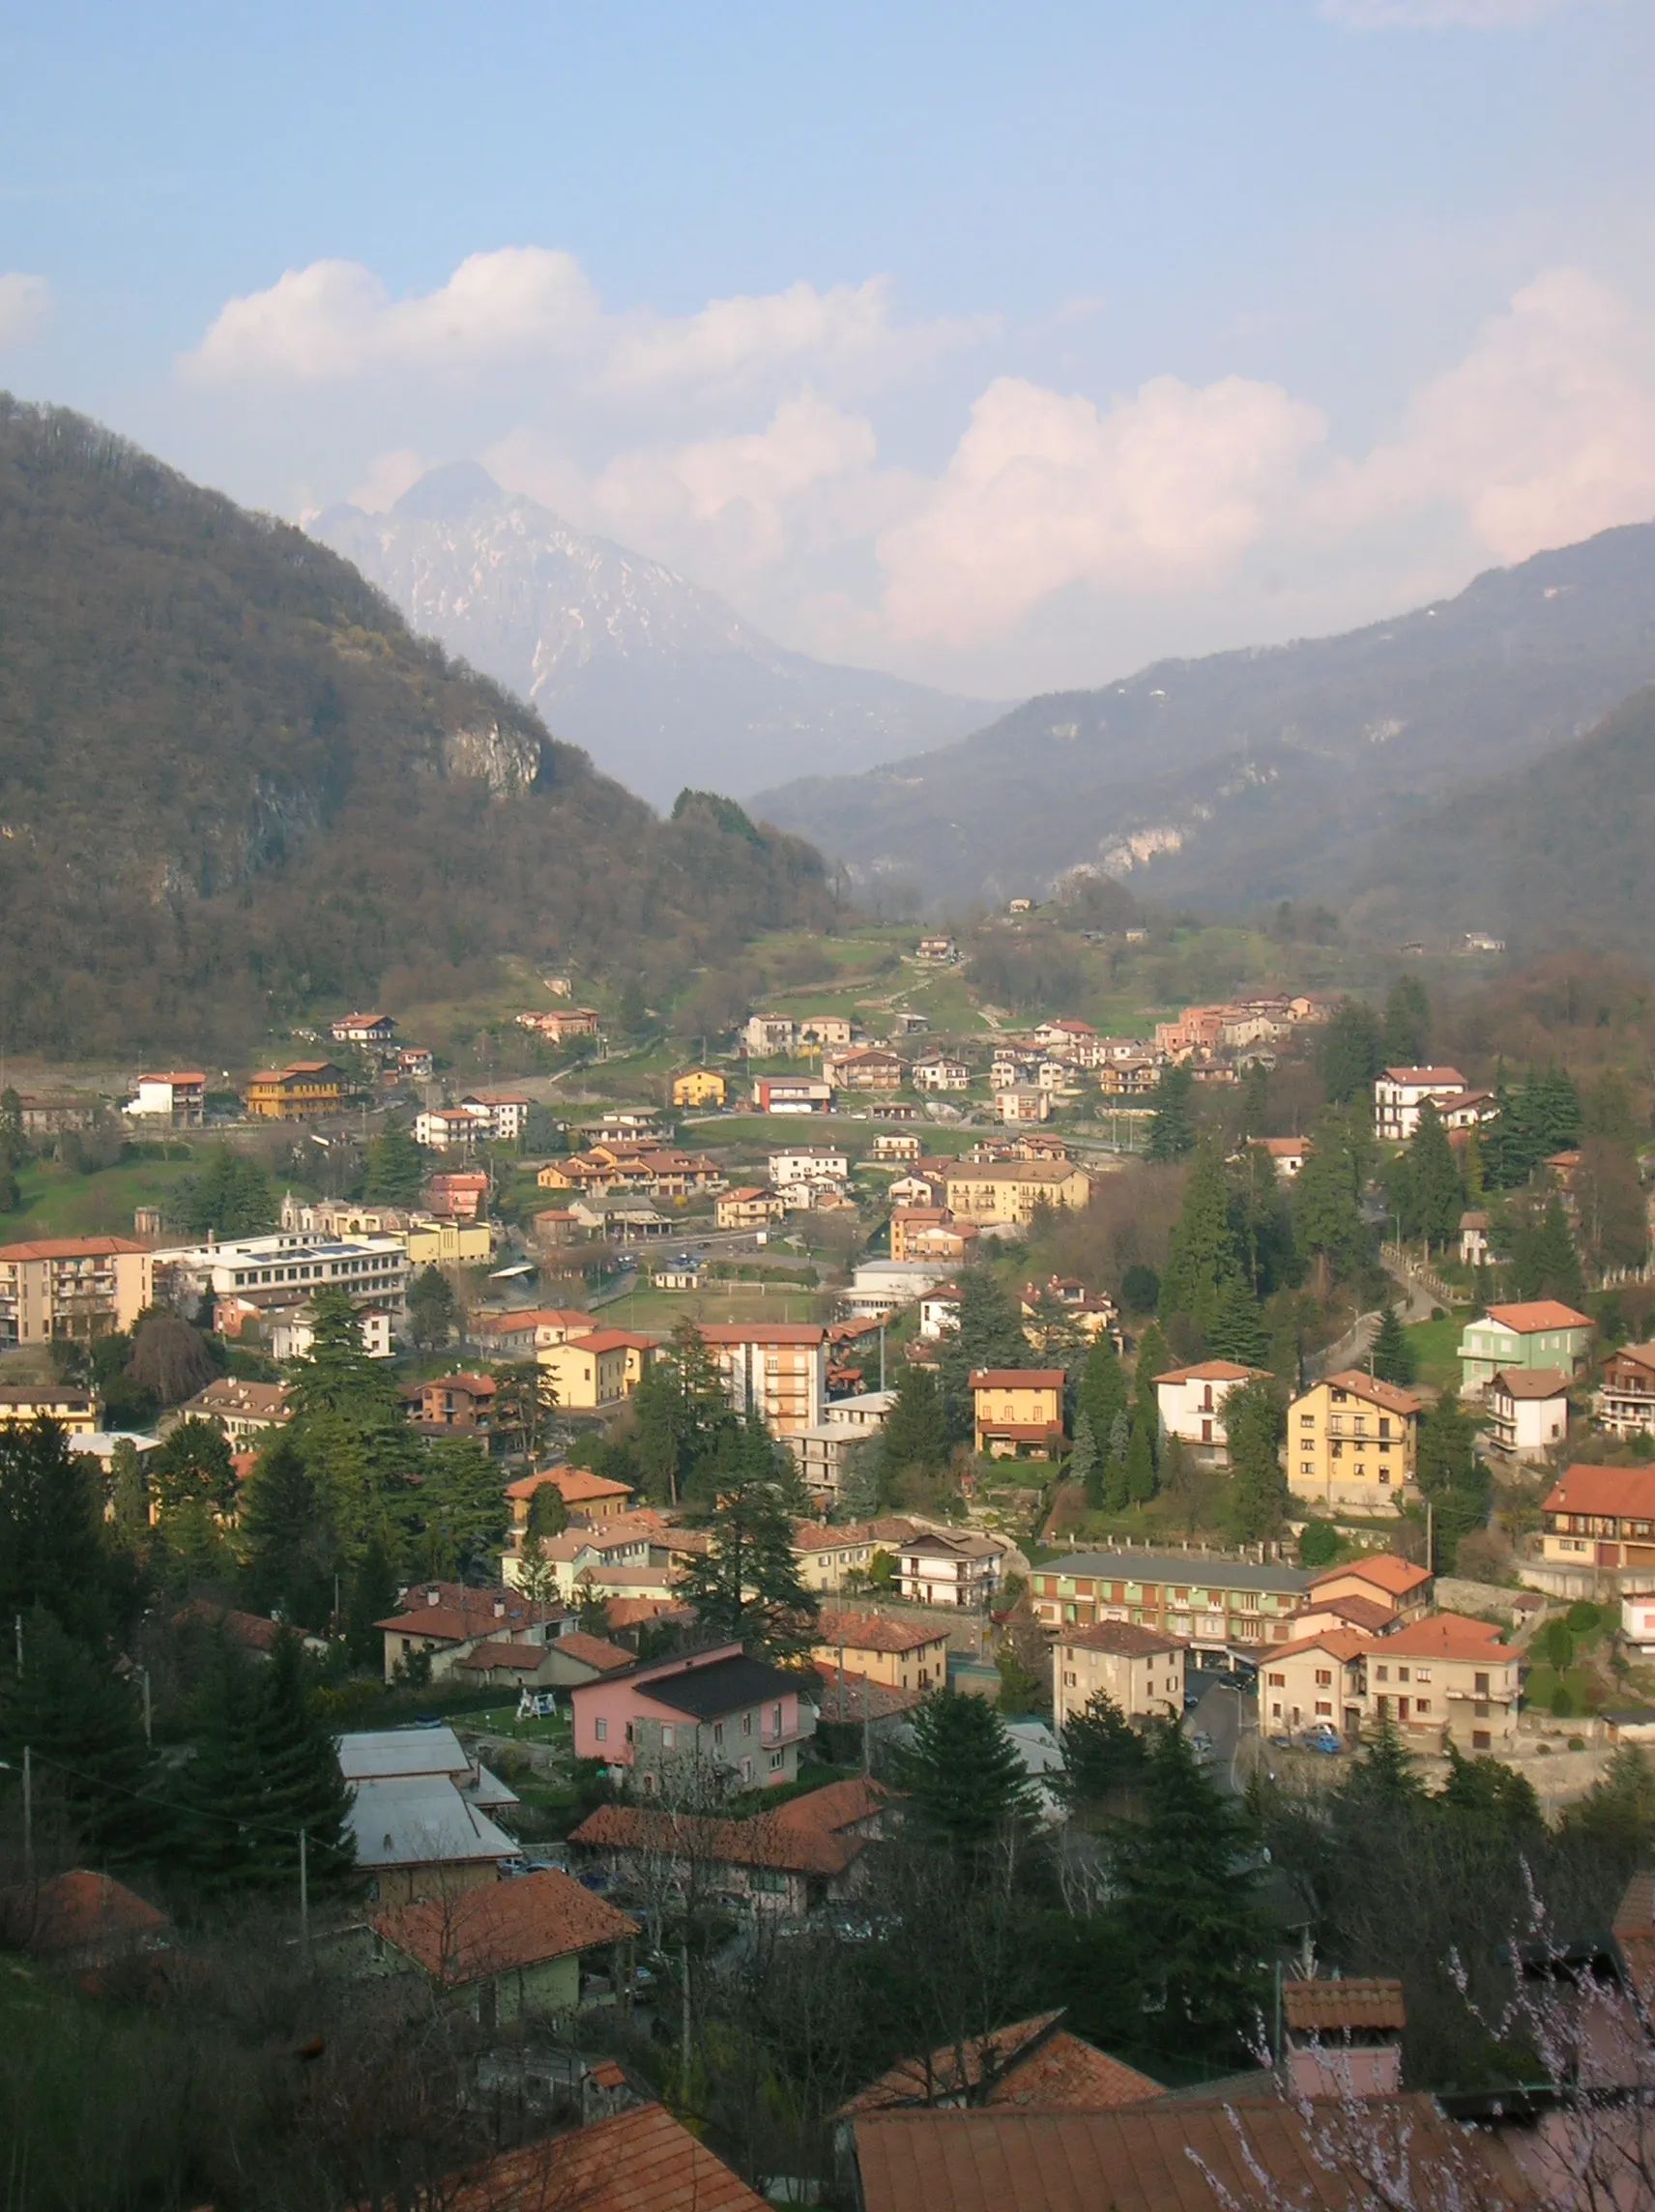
(373, 1599)
(1471, 1167)
(548, 1511)
(337, 1375)
(1544, 1260)
(433, 1310)
(1184, 1908)
(1238, 1328)
(1256, 1100)
(683, 1413)
(747, 1586)
(1202, 1259)
(1391, 1353)
(395, 1168)
(859, 1493)
(962, 1777)
(289, 1551)
(1350, 1053)
(193, 1465)
(1152, 1361)
(219, 1804)
(1328, 1228)
(914, 1434)
(1254, 1423)
(1172, 1127)
(51, 1530)
(1407, 1040)
(302, 1786)
(1438, 1199)
(1085, 1466)
(1102, 1754)
(1140, 1464)
(989, 1334)
(129, 1489)
(1102, 1390)
(233, 1198)
(83, 1725)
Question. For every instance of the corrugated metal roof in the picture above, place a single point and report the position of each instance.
(420, 1821)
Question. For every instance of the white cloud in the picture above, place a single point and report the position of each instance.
(389, 475)
(1542, 434)
(25, 308)
(1160, 492)
(1440, 14)
(334, 321)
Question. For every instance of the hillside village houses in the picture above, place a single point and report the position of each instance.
(1191, 1403)
(1542, 1333)
(1351, 1441)
(1399, 1093)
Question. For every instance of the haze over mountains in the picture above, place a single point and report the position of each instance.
(662, 682)
(1303, 771)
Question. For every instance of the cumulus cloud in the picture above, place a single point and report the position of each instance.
(1159, 492)
(1440, 14)
(335, 322)
(25, 308)
(1544, 433)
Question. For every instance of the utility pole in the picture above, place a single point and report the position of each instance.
(28, 1813)
(882, 1355)
(304, 1893)
(149, 1729)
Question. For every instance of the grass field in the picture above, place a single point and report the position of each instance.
(59, 1201)
(1435, 1349)
(719, 1302)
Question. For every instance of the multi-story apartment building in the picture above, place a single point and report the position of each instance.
(1447, 1677)
(767, 1036)
(868, 1067)
(302, 1092)
(808, 1164)
(1018, 1412)
(74, 1287)
(1137, 1668)
(288, 1266)
(1352, 1440)
(24, 1403)
(776, 1369)
(1012, 1190)
(902, 1654)
(1399, 1093)
(1316, 1681)
(1211, 1601)
(1601, 1516)
(939, 1071)
(947, 1567)
(1625, 1404)
(598, 1371)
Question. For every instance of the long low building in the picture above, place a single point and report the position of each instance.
(1012, 1191)
(1213, 1601)
(372, 1270)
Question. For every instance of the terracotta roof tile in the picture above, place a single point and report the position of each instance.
(1126, 1638)
(870, 1632)
(1625, 1491)
(641, 2160)
(1322, 2007)
(1397, 1578)
(1038, 2062)
(1538, 1314)
(593, 1651)
(71, 1912)
(482, 1932)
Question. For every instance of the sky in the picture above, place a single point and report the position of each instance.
(1005, 348)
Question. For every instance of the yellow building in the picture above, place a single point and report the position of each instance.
(1018, 1411)
(1352, 1442)
(904, 1655)
(596, 1373)
(828, 1557)
(79, 1287)
(700, 1087)
(1136, 1667)
(73, 1409)
(1010, 1191)
(450, 1244)
(302, 1092)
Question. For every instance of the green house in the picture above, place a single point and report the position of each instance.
(510, 1949)
(1542, 1333)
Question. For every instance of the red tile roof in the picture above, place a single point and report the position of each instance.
(1364, 1613)
(1315, 2007)
(577, 1485)
(1210, 1371)
(812, 1834)
(1017, 1378)
(480, 1933)
(1127, 1639)
(1037, 2061)
(74, 1911)
(593, 1651)
(845, 1695)
(524, 1658)
(70, 1248)
(1626, 1492)
(1536, 1382)
(1398, 1578)
(1537, 1314)
(1432, 1075)
(871, 1632)
(1446, 1636)
(1339, 1643)
(1356, 1384)
(641, 2160)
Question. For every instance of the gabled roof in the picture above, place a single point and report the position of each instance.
(1628, 1492)
(1446, 1636)
(482, 1932)
(1210, 1371)
(722, 1686)
(521, 1658)
(1397, 1578)
(1538, 1383)
(1536, 1314)
(70, 1248)
(764, 1840)
(1388, 1395)
(1032, 2062)
(1365, 1613)
(761, 1332)
(641, 2160)
(593, 1651)
(872, 1632)
(1314, 2008)
(1017, 1378)
(1432, 1077)
(1126, 1638)
(72, 1911)
(1341, 1643)
(576, 1485)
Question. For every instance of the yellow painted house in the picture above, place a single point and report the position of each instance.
(450, 1244)
(1012, 1190)
(1352, 1442)
(1018, 1411)
(75, 1411)
(596, 1372)
(698, 1086)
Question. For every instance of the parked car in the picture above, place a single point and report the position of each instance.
(1324, 1739)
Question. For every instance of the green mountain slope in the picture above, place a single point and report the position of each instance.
(234, 785)
(1555, 853)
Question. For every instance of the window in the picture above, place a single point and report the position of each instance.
(1324, 1708)
(1481, 1740)
(746, 1770)
(1307, 1466)
(1323, 1676)
(746, 1724)
(778, 1759)
(667, 1739)
(775, 1720)
(1307, 1420)
(1402, 1674)
(1278, 1681)
(1422, 1705)
(601, 1729)
(1422, 1673)
(1481, 1708)
(1481, 1685)
(1383, 1673)
(719, 1731)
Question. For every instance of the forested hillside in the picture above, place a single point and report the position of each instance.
(232, 782)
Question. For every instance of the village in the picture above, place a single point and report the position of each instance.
(680, 1492)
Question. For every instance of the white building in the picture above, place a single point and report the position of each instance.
(960, 1567)
(292, 1334)
(1024, 1102)
(372, 1270)
(1191, 1402)
(178, 1097)
(808, 1164)
(1400, 1092)
(494, 1117)
(939, 1071)
(767, 1034)
(1137, 1668)
(508, 1113)
(1529, 1409)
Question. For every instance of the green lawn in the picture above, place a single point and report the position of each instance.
(1435, 1349)
(59, 1201)
(501, 1720)
(663, 1310)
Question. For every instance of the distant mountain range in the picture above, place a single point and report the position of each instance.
(662, 682)
(1309, 770)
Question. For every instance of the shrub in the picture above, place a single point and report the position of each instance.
(1555, 1644)
(1583, 1616)
(1577, 1743)
(1562, 1705)
(1318, 1544)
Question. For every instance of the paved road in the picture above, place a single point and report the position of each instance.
(1229, 1719)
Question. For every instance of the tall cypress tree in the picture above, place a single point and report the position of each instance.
(746, 1585)
(1086, 1462)
(1201, 1258)
(83, 1724)
(1328, 1227)
(1406, 1040)
(1101, 1392)
(1438, 1199)
(302, 1786)
(1350, 1052)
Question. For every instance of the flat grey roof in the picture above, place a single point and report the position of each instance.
(374, 1753)
(1198, 1570)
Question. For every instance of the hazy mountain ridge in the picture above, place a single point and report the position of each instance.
(1252, 775)
(661, 682)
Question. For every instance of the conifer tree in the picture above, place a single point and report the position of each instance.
(1102, 1752)
(746, 1585)
(1254, 1422)
(548, 1511)
(1202, 1259)
(1328, 1228)
(1102, 1390)
(1350, 1053)
(1172, 1127)
(51, 1530)
(1392, 1353)
(289, 1552)
(373, 1599)
(965, 1784)
(1437, 1197)
(1085, 1466)
(1406, 1040)
(914, 1434)
(1238, 1328)
(83, 1724)
(193, 1465)
(217, 1799)
(1140, 1465)
(395, 1168)
(302, 1786)
(1114, 1479)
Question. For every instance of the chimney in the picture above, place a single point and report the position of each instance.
(433, 1596)
(500, 1608)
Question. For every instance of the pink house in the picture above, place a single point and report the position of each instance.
(741, 1715)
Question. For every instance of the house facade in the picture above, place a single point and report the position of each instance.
(742, 1715)
(942, 1567)
(1140, 1670)
(1625, 1403)
(596, 1372)
(305, 1091)
(1529, 1409)
(22, 1404)
(1352, 1441)
(698, 1086)
(178, 1097)
(793, 1094)
(901, 1654)
(1540, 1332)
(73, 1288)
(1314, 1682)
(1399, 1093)
(1448, 1678)
(1210, 1601)
(776, 1369)
(1601, 1516)
(869, 1067)
(751, 1206)
(939, 1071)
(1012, 1191)
(1017, 1412)
(1191, 1403)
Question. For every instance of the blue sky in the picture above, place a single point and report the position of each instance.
(1002, 347)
